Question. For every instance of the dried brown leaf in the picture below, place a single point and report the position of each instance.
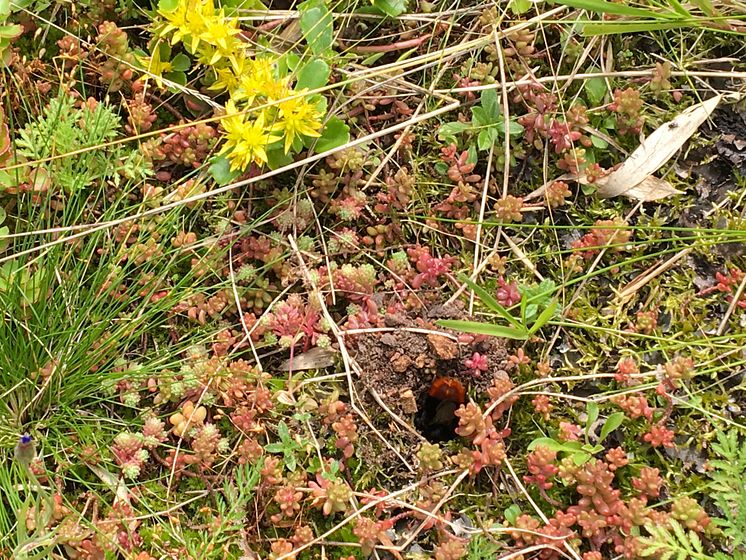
(634, 177)
(315, 358)
(651, 188)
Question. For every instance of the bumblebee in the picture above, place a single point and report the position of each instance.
(436, 420)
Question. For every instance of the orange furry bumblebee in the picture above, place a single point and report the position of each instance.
(436, 420)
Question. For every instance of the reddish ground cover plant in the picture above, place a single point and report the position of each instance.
(231, 241)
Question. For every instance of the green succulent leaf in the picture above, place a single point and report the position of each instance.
(487, 138)
(448, 131)
(392, 8)
(611, 424)
(168, 5)
(512, 513)
(313, 75)
(572, 448)
(595, 88)
(581, 458)
(277, 157)
(220, 170)
(180, 63)
(336, 133)
(592, 411)
(317, 26)
(519, 7)
(10, 31)
(489, 102)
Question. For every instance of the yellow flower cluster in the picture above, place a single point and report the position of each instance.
(246, 141)
(264, 110)
(205, 31)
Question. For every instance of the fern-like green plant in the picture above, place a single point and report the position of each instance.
(728, 492)
(65, 129)
(673, 542)
(482, 548)
(728, 489)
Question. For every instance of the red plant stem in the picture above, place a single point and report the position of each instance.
(171, 109)
(270, 25)
(548, 499)
(401, 45)
(249, 36)
(165, 463)
(355, 112)
(382, 117)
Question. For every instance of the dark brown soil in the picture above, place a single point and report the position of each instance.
(400, 365)
(717, 165)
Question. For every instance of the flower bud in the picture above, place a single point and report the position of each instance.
(25, 451)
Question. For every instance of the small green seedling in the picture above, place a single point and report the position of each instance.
(582, 452)
(487, 123)
(287, 446)
(537, 308)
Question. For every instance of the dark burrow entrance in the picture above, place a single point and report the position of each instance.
(423, 376)
(435, 418)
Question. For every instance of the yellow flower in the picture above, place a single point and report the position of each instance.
(257, 80)
(187, 21)
(298, 117)
(220, 31)
(228, 78)
(155, 66)
(213, 56)
(245, 141)
(221, 34)
(206, 32)
(263, 67)
(277, 89)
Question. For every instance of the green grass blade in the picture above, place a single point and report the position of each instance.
(618, 27)
(603, 7)
(706, 6)
(544, 316)
(484, 328)
(679, 9)
(487, 299)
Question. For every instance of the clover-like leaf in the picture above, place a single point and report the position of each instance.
(392, 8)
(317, 26)
(336, 133)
